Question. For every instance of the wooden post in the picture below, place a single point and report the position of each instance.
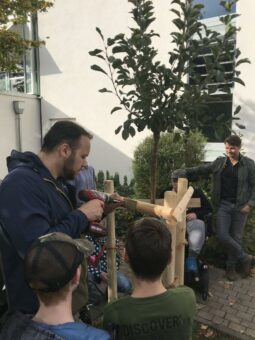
(170, 201)
(111, 248)
(180, 236)
(148, 208)
(181, 207)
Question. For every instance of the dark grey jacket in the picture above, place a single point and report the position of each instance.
(246, 179)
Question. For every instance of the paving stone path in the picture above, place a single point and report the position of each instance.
(231, 305)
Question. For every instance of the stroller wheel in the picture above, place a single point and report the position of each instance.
(204, 296)
(205, 283)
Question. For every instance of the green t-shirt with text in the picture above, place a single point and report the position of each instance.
(162, 317)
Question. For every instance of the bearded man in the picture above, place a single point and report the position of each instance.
(34, 202)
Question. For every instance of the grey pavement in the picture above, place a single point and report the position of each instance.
(230, 308)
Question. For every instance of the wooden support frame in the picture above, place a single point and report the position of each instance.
(174, 212)
(111, 248)
(170, 201)
(180, 235)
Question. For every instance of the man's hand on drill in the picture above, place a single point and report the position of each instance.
(119, 201)
(93, 209)
(115, 196)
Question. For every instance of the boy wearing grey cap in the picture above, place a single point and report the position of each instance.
(52, 268)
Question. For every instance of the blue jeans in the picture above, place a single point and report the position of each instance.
(124, 285)
(196, 236)
(230, 224)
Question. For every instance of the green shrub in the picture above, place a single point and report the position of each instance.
(249, 234)
(126, 189)
(175, 151)
(123, 217)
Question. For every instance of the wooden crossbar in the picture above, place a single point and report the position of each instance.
(193, 203)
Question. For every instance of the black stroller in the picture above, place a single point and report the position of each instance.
(199, 281)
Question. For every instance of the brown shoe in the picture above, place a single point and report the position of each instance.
(246, 265)
(231, 274)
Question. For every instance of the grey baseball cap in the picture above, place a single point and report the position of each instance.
(52, 260)
(178, 173)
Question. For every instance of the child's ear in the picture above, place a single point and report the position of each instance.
(76, 278)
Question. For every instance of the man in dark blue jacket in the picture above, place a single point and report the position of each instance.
(34, 202)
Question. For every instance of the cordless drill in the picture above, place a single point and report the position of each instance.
(88, 195)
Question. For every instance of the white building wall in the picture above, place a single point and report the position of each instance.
(244, 96)
(30, 126)
(70, 88)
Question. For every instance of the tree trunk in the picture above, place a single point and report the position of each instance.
(187, 155)
(154, 163)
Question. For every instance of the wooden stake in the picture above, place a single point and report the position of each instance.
(193, 203)
(151, 209)
(170, 201)
(182, 204)
(181, 230)
(111, 248)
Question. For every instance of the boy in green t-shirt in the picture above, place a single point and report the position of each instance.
(151, 312)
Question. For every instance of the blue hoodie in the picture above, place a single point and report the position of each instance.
(20, 326)
(32, 203)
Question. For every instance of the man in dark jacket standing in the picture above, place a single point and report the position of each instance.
(233, 196)
(33, 202)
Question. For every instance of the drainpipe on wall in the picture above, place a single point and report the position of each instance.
(41, 123)
(18, 107)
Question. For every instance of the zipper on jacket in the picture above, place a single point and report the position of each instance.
(60, 191)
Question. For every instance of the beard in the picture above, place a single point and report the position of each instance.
(68, 170)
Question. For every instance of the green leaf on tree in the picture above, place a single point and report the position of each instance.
(98, 68)
(104, 90)
(118, 129)
(239, 81)
(242, 61)
(237, 110)
(116, 108)
(131, 131)
(95, 52)
(99, 32)
(125, 133)
(241, 126)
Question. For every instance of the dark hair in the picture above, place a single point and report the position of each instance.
(233, 140)
(148, 247)
(64, 132)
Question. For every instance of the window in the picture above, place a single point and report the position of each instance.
(226, 61)
(26, 78)
(221, 103)
(212, 8)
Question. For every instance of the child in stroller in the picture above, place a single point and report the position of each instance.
(196, 270)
